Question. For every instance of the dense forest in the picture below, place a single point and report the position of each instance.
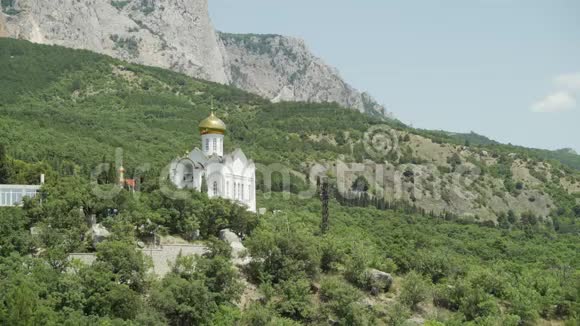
(448, 272)
(63, 112)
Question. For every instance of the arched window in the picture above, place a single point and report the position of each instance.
(235, 192)
(243, 198)
(206, 144)
(214, 144)
(215, 188)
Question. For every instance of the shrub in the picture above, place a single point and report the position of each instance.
(356, 266)
(283, 254)
(397, 314)
(331, 255)
(296, 300)
(339, 298)
(414, 290)
(450, 296)
(524, 302)
(478, 304)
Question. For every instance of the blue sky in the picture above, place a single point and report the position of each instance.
(507, 69)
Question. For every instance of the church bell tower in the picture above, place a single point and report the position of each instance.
(212, 131)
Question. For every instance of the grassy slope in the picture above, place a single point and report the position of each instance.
(563, 156)
(59, 104)
(63, 97)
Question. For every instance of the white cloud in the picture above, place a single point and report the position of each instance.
(563, 98)
(568, 81)
(557, 102)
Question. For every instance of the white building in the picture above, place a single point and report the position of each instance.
(13, 195)
(231, 176)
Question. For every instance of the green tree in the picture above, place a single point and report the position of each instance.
(296, 301)
(14, 233)
(103, 295)
(241, 221)
(342, 301)
(197, 289)
(21, 303)
(184, 302)
(324, 197)
(576, 210)
(357, 264)
(478, 304)
(414, 290)
(282, 252)
(4, 166)
(126, 262)
(331, 254)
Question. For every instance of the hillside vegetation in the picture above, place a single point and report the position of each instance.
(86, 105)
(494, 243)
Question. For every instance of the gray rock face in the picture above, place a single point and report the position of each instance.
(238, 249)
(3, 32)
(379, 280)
(229, 236)
(178, 35)
(172, 34)
(283, 69)
(99, 234)
(35, 230)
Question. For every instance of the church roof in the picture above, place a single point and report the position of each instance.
(212, 124)
(197, 156)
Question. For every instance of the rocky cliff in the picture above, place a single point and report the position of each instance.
(283, 69)
(179, 35)
(3, 33)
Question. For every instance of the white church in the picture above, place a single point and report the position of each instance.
(231, 176)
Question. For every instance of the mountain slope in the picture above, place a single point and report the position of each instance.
(86, 105)
(179, 35)
(283, 69)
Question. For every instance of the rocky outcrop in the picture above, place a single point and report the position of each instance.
(447, 180)
(283, 69)
(239, 256)
(3, 31)
(379, 280)
(99, 234)
(178, 35)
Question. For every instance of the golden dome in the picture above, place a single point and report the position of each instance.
(212, 125)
